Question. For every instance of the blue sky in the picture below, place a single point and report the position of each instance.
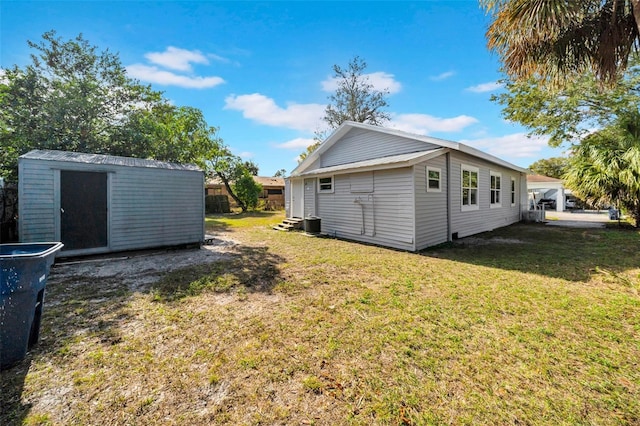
(261, 71)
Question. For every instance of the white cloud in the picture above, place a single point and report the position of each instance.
(424, 124)
(177, 59)
(246, 155)
(516, 145)
(3, 80)
(379, 80)
(485, 87)
(298, 143)
(264, 110)
(443, 76)
(153, 74)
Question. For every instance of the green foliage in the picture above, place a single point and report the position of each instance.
(569, 112)
(605, 167)
(247, 190)
(554, 167)
(355, 99)
(74, 98)
(558, 38)
(280, 173)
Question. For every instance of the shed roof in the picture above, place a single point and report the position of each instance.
(542, 178)
(262, 180)
(80, 157)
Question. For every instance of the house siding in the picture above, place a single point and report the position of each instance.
(431, 207)
(360, 145)
(485, 218)
(310, 197)
(383, 216)
(148, 207)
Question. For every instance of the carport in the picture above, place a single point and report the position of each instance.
(545, 187)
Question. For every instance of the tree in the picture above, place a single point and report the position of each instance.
(551, 39)
(230, 169)
(554, 167)
(569, 112)
(605, 167)
(247, 190)
(355, 99)
(74, 98)
(280, 173)
(251, 167)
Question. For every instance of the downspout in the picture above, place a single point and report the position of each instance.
(448, 168)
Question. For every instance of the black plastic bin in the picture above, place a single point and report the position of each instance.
(24, 269)
(312, 225)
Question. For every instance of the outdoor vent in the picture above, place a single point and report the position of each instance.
(454, 236)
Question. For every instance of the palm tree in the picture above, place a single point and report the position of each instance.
(605, 167)
(553, 38)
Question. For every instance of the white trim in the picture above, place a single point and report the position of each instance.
(498, 189)
(325, 191)
(433, 169)
(471, 169)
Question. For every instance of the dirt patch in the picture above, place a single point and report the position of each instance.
(475, 241)
(136, 271)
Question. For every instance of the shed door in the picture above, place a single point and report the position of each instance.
(83, 209)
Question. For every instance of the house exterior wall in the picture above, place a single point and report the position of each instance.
(360, 145)
(310, 197)
(381, 216)
(486, 217)
(431, 206)
(148, 207)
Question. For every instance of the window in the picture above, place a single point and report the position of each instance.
(496, 189)
(274, 191)
(433, 179)
(469, 188)
(513, 192)
(325, 184)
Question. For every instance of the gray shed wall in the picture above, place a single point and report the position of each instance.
(148, 207)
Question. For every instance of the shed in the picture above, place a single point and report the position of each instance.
(100, 203)
(401, 190)
(542, 187)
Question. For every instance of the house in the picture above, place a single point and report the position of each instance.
(401, 190)
(272, 191)
(100, 203)
(546, 190)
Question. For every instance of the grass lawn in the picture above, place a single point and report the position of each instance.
(525, 325)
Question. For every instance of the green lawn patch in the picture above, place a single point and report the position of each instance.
(525, 325)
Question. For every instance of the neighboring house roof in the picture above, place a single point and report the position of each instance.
(348, 125)
(262, 180)
(79, 157)
(394, 161)
(542, 178)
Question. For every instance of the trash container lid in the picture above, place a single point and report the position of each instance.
(18, 250)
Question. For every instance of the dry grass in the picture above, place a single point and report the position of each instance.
(526, 325)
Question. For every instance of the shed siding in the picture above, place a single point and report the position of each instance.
(384, 216)
(431, 207)
(149, 207)
(360, 145)
(155, 207)
(467, 223)
(36, 208)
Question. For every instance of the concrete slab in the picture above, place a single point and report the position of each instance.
(578, 219)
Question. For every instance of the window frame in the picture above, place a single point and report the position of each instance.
(495, 189)
(513, 192)
(437, 170)
(320, 184)
(469, 207)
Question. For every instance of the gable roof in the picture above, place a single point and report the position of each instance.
(348, 125)
(112, 160)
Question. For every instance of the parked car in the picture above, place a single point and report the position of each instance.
(570, 203)
(548, 203)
